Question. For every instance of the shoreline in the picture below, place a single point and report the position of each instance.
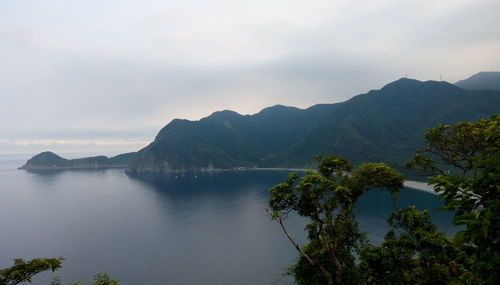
(419, 185)
(416, 185)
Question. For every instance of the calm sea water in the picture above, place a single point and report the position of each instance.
(193, 229)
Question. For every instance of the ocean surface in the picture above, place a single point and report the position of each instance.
(197, 228)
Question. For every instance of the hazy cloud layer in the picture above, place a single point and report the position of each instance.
(113, 70)
(103, 146)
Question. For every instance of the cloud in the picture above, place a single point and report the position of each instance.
(108, 147)
(123, 69)
(71, 142)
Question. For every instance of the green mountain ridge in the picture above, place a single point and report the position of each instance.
(485, 80)
(382, 125)
(385, 125)
(388, 124)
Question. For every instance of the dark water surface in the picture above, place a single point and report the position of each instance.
(193, 229)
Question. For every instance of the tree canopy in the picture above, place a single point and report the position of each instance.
(463, 161)
(413, 252)
(23, 271)
(463, 164)
(326, 197)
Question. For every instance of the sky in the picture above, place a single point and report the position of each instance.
(106, 75)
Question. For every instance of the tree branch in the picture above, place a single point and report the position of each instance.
(311, 261)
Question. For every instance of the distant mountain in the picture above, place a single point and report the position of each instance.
(50, 160)
(383, 125)
(486, 80)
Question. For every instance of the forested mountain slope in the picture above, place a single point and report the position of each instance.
(485, 80)
(382, 125)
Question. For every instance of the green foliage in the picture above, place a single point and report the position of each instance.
(327, 197)
(350, 244)
(56, 280)
(104, 279)
(23, 271)
(464, 160)
(99, 279)
(413, 252)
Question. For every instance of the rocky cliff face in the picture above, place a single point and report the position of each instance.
(148, 163)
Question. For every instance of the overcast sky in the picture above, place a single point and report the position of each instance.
(108, 74)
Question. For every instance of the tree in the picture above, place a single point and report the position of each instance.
(99, 279)
(327, 197)
(23, 271)
(413, 252)
(350, 244)
(463, 161)
(104, 279)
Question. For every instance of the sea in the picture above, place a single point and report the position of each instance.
(191, 228)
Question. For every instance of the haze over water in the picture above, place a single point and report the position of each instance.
(161, 231)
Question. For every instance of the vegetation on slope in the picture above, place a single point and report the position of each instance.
(383, 125)
(486, 80)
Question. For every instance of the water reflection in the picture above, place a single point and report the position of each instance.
(372, 210)
(155, 230)
(212, 183)
(221, 227)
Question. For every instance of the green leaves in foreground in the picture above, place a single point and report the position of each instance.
(23, 271)
(413, 252)
(464, 161)
(326, 198)
(99, 279)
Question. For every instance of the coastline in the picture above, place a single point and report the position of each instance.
(416, 185)
(419, 185)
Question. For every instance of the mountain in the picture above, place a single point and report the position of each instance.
(388, 124)
(382, 125)
(486, 80)
(50, 160)
(227, 139)
(385, 125)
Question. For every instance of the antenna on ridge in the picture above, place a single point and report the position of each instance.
(406, 75)
(440, 77)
